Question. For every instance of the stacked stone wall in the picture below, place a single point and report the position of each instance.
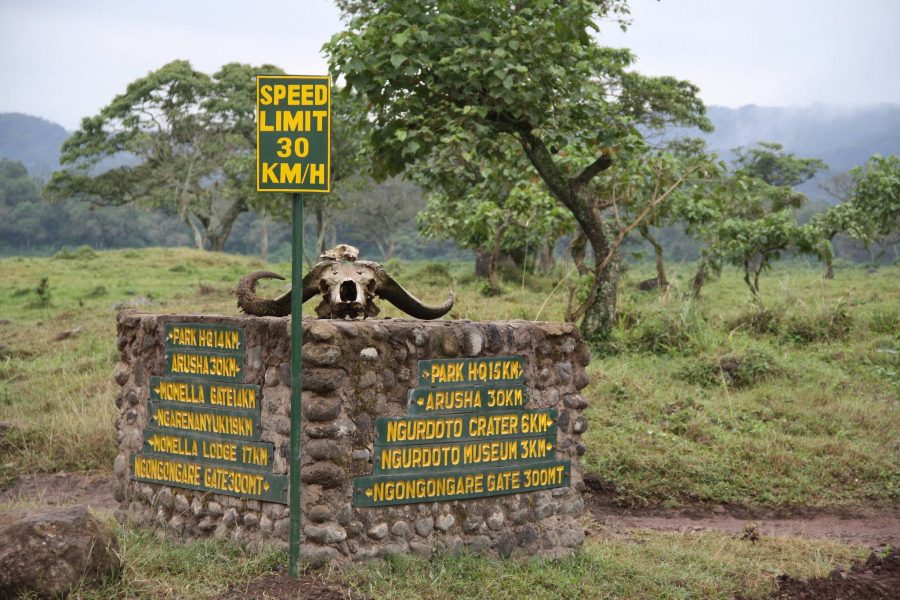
(353, 372)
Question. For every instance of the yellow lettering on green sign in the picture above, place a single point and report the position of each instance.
(186, 335)
(166, 471)
(205, 364)
(203, 422)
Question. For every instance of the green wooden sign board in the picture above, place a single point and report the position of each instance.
(293, 133)
(483, 398)
(468, 434)
(176, 416)
(209, 477)
(466, 371)
(204, 422)
(528, 476)
(206, 365)
(429, 458)
(206, 393)
(209, 448)
(464, 426)
(203, 337)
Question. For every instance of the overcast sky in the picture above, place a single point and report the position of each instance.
(63, 60)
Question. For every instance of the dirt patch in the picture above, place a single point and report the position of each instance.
(864, 527)
(281, 586)
(876, 579)
(92, 489)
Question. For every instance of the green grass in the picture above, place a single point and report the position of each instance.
(643, 565)
(792, 402)
(788, 402)
(159, 568)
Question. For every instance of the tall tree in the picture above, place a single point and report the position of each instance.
(877, 197)
(382, 210)
(746, 217)
(176, 139)
(349, 164)
(651, 188)
(492, 207)
(457, 69)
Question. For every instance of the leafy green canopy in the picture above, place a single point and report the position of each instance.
(433, 71)
(462, 72)
(177, 139)
(747, 218)
(877, 195)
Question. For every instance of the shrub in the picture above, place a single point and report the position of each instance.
(432, 274)
(885, 321)
(758, 320)
(672, 331)
(41, 295)
(80, 253)
(97, 292)
(735, 370)
(828, 324)
(183, 268)
(489, 291)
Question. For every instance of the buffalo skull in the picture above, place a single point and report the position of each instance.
(348, 287)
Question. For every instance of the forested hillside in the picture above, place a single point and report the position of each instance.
(843, 137)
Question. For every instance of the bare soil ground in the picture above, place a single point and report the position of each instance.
(862, 527)
(281, 586)
(874, 529)
(876, 579)
(92, 489)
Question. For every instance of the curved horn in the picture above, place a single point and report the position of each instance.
(252, 304)
(394, 293)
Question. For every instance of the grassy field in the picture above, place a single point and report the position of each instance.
(790, 402)
(646, 565)
(787, 402)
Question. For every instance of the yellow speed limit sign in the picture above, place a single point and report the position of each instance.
(293, 133)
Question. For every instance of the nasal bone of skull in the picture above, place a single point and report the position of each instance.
(348, 292)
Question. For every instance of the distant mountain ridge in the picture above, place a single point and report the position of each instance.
(33, 141)
(841, 136)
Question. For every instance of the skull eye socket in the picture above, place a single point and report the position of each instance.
(347, 291)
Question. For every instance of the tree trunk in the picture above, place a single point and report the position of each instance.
(699, 280)
(577, 250)
(218, 237)
(493, 282)
(829, 268)
(184, 212)
(482, 263)
(575, 194)
(264, 237)
(319, 212)
(754, 283)
(661, 281)
(600, 315)
(546, 258)
(390, 250)
(198, 234)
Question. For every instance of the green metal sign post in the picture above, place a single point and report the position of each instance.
(293, 154)
(296, 375)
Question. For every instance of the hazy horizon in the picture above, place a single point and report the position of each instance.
(765, 54)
